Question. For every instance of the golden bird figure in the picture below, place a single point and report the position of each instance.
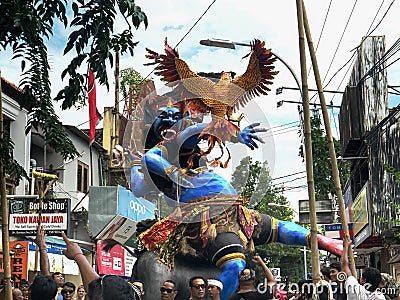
(220, 98)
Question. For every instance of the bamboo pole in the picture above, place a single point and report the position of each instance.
(40, 177)
(331, 146)
(4, 213)
(308, 146)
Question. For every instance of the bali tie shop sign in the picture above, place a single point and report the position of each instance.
(24, 215)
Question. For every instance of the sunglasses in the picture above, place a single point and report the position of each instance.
(199, 286)
(163, 289)
(67, 291)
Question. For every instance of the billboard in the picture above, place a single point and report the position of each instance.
(335, 231)
(360, 210)
(109, 204)
(119, 229)
(24, 215)
(118, 261)
(323, 208)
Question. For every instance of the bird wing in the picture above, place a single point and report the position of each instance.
(176, 71)
(258, 75)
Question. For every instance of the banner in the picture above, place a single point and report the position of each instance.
(119, 229)
(360, 211)
(134, 208)
(118, 261)
(18, 261)
(58, 263)
(94, 115)
(24, 216)
(51, 248)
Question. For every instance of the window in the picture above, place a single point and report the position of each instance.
(83, 177)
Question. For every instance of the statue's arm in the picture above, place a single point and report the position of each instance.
(157, 164)
(189, 137)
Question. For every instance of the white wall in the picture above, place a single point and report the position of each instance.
(67, 185)
(22, 142)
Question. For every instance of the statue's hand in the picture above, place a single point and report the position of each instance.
(247, 136)
(180, 176)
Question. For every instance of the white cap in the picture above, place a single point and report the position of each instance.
(215, 282)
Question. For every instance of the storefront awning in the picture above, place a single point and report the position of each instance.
(394, 259)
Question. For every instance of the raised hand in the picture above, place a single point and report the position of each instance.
(248, 137)
(40, 239)
(72, 250)
(257, 260)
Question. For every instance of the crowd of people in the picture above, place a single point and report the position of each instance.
(337, 283)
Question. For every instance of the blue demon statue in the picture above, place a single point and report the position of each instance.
(211, 217)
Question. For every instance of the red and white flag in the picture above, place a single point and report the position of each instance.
(94, 115)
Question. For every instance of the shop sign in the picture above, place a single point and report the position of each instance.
(24, 215)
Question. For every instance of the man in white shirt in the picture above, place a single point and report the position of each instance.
(370, 280)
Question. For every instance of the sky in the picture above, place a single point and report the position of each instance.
(337, 27)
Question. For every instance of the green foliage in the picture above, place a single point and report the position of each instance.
(392, 170)
(94, 41)
(27, 25)
(12, 168)
(323, 179)
(131, 82)
(290, 259)
(394, 206)
(253, 181)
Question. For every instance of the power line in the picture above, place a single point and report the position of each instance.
(320, 34)
(198, 20)
(340, 41)
(352, 58)
(294, 179)
(284, 176)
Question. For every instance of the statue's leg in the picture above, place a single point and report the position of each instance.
(290, 233)
(227, 253)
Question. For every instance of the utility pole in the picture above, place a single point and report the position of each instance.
(115, 131)
(4, 212)
(308, 145)
(331, 146)
(304, 250)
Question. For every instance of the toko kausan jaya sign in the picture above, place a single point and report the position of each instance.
(24, 215)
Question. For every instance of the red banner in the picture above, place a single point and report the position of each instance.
(94, 115)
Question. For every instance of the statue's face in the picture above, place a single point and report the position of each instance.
(163, 126)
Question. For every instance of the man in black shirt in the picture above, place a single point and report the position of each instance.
(247, 289)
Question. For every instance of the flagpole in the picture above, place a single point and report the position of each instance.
(91, 163)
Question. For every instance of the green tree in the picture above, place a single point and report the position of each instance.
(323, 179)
(395, 206)
(26, 27)
(253, 181)
(131, 82)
